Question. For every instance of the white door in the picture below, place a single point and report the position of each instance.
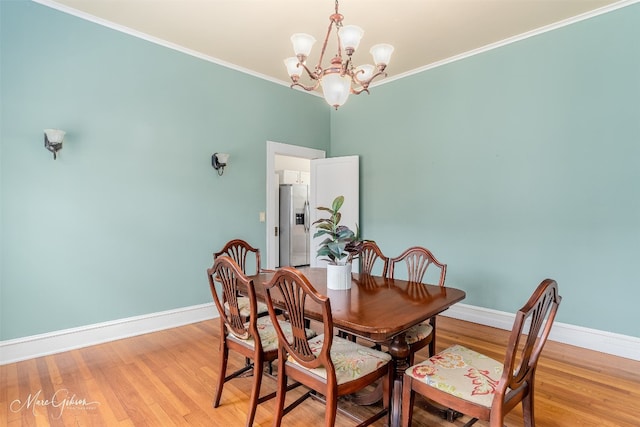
(332, 177)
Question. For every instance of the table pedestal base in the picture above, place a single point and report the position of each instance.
(399, 350)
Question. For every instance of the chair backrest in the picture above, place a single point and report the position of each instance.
(370, 254)
(229, 274)
(290, 290)
(418, 261)
(238, 250)
(529, 334)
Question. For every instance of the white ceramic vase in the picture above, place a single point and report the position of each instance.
(339, 276)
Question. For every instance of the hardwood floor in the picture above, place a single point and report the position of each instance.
(167, 378)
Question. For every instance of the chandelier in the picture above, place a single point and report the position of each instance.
(340, 78)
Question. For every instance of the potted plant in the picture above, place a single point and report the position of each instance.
(339, 247)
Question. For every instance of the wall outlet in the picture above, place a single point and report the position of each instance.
(262, 217)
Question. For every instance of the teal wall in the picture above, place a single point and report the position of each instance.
(514, 165)
(124, 222)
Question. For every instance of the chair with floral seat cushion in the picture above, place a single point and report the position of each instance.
(255, 338)
(475, 385)
(415, 263)
(329, 365)
(239, 250)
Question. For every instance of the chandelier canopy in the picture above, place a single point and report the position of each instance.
(341, 77)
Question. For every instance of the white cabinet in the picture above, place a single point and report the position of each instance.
(305, 177)
(294, 177)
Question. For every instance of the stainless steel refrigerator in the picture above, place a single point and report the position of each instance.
(294, 225)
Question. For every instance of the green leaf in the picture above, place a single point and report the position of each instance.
(337, 203)
(339, 240)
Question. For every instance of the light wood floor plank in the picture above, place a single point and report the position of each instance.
(168, 378)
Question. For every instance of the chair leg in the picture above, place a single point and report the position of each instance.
(332, 408)
(281, 393)
(222, 372)
(432, 344)
(258, 368)
(408, 397)
(345, 335)
(387, 386)
(527, 408)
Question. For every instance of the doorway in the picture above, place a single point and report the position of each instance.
(278, 154)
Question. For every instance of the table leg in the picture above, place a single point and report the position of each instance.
(399, 350)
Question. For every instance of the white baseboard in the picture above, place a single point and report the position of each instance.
(84, 336)
(69, 339)
(592, 339)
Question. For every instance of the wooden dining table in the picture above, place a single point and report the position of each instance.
(380, 310)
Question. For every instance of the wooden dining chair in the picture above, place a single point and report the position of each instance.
(239, 250)
(326, 364)
(255, 338)
(372, 261)
(371, 257)
(468, 382)
(415, 263)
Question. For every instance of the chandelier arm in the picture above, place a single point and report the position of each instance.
(359, 91)
(307, 88)
(364, 86)
(312, 75)
(366, 83)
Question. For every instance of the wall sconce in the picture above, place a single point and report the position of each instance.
(53, 140)
(219, 161)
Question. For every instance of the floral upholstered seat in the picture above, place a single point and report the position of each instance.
(418, 332)
(244, 307)
(470, 383)
(325, 364)
(268, 334)
(351, 360)
(461, 372)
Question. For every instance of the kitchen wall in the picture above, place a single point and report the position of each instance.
(514, 165)
(124, 222)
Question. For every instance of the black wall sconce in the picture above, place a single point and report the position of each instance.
(53, 140)
(219, 161)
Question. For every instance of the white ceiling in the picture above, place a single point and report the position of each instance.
(253, 35)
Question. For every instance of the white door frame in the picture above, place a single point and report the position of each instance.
(273, 149)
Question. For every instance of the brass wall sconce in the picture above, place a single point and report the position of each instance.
(53, 140)
(219, 161)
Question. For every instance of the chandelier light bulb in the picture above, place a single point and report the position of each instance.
(336, 89)
(350, 36)
(381, 54)
(302, 44)
(293, 69)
